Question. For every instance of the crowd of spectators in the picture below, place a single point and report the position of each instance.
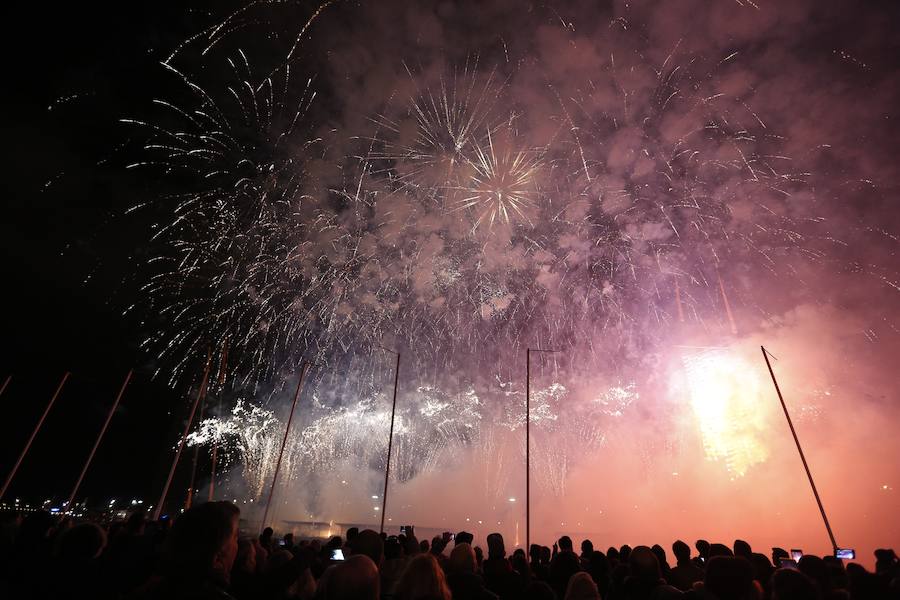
(201, 556)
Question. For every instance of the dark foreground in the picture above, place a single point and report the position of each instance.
(202, 557)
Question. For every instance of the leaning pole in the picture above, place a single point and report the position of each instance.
(100, 435)
(287, 430)
(387, 468)
(37, 428)
(187, 427)
(809, 476)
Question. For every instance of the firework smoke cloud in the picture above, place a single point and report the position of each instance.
(647, 189)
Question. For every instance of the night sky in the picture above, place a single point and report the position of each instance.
(795, 171)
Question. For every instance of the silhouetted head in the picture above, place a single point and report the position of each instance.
(82, 542)
(719, 550)
(424, 546)
(599, 565)
(539, 590)
(393, 548)
(423, 579)
(520, 565)
(437, 545)
(789, 584)
(885, 560)
(624, 553)
(702, 547)
(368, 543)
(565, 543)
(612, 554)
(204, 540)
(587, 546)
(245, 559)
(136, 523)
(681, 551)
(351, 535)
(334, 543)
(464, 537)
(496, 548)
(660, 555)
(534, 553)
(816, 569)
(289, 539)
(354, 579)
(644, 565)
(742, 548)
(266, 535)
(729, 578)
(462, 559)
(778, 554)
(582, 587)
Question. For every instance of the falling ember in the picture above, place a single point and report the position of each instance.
(725, 398)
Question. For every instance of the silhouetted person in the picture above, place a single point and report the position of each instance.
(660, 553)
(612, 555)
(581, 587)
(199, 553)
(462, 578)
(353, 579)
(742, 548)
(77, 570)
(539, 590)
(393, 563)
(644, 580)
(702, 547)
(265, 539)
(368, 543)
(729, 578)
(520, 566)
(587, 548)
(685, 573)
(423, 579)
(539, 570)
(499, 576)
(463, 537)
(719, 550)
(777, 555)
(789, 584)
(562, 566)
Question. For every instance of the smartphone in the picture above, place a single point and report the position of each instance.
(796, 554)
(845, 553)
(281, 543)
(788, 563)
(406, 530)
(337, 554)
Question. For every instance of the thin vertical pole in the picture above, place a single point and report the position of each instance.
(528, 452)
(387, 469)
(187, 427)
(100, 435)
(37, 428)
(800, 450)
(5, 383)
(287, 430)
